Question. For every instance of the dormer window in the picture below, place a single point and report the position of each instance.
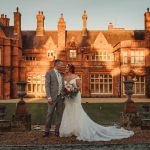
(51, 54)
(73, 54)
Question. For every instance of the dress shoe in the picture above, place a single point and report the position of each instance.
(46, 134)
(57, 134)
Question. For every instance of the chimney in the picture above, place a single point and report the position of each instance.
(61, 32)
(147, 20)
(17, 22)
(40, 24)
(110, 26)
(84, 18)
(4, 20)
(147, 24)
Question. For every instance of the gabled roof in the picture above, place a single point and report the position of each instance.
(113, 37)
(2, 34)
(30, 40)
(8, 30)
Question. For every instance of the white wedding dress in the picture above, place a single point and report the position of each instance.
(76, 122)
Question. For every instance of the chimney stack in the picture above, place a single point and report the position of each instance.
(84, 18)
(40, 24)
(61, 32)
(4, 20)
(110, 26)
(147, 24)
(17, 22)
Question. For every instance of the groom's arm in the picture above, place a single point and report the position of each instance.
(47, 87)
(47, 84)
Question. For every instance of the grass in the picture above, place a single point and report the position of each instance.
(102, 113)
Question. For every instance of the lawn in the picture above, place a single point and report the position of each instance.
(103, 113)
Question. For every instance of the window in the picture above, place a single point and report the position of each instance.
(51, 54)
(73, 54)
(101, 84)
(102, 56)
(125, 57)
(35, 83)
(0, 85)
(30, 58)
(137, 57)
(80, 76)
(139, 85)
(0, 56)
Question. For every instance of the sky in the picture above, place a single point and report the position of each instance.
(128, 14)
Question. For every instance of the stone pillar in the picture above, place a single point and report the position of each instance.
(40, 24)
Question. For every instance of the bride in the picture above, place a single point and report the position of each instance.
(76, 122)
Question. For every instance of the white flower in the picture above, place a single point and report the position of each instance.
(69, 87)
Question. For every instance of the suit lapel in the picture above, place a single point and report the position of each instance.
(54, 74)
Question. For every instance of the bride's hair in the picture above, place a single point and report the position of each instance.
(71, 68)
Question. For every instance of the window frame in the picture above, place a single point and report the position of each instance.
(136, 57)
(73, 54)
(34, 83)
(51, 53)
(103, 82)
(135, 83)
(102, 56)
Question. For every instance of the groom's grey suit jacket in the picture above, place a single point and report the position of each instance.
(52, 85)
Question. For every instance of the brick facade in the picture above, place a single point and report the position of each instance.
(102, 58)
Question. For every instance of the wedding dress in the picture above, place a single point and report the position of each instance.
(76, 122)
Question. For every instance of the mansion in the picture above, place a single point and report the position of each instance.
(102, 58)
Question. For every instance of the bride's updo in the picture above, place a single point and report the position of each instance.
(71, 68)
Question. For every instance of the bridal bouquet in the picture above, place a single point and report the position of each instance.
(70, 91)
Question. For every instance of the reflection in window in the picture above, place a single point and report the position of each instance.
(102, 56)
(137, 57)
(35, 83)
(139, 85)
(125, 57)
(101, 84)
(51, 53)
(73, 54)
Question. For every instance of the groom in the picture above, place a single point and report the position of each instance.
(54, 84)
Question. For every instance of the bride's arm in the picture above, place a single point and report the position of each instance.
(79, 84)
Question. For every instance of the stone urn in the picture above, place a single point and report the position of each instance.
(21, 105)
(130, 116)
(21, 119)
(129, 104)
